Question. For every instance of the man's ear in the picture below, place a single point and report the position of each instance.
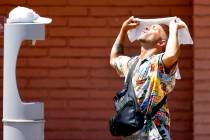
(162, 43)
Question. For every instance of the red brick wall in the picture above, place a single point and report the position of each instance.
(70, 71)
(202, 70)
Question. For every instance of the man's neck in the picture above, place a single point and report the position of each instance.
(148, 51)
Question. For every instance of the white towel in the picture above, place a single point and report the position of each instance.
(183, 33)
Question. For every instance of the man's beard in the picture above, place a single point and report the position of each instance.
(146, 40)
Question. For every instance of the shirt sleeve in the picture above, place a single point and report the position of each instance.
(167, 75)
(163, 69)
(121, 65)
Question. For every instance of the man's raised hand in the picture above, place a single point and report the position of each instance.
(130, 23)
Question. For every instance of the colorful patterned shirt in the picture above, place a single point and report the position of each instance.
(151, 82)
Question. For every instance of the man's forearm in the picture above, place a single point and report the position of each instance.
(172, 47)
(172, 50)
(118, 48)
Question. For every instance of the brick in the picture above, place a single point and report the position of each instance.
(201, 10)
(150, 11)
(201, 53)
(100, 52)
(170, 3)
(201, 64)
(1, 62)
(184, 84)
(201, 119)
(55, 105)
(102, 73)
(99, 135)
(181, 95)
(79, 114)
(87, 22)
(59, 21)
(33, 52)
(88, 63)
(1, 93)
(26, 44)
(102, 94)
(185, 64)
(67, 11)
(69, 52)
(89, 42)
(68, 73)
(186, 52)
(21, 62)
(65, 135)
(1, 82)
(95, 125)
(109, 11)
(201, 107)
(1, 108)
(76, 134)
(186, 73)
(176, 105)
(47, 2)
(87, 3)
(100, 114)
(21, 82)
(47, 62)
(13, 2)
(181, 126)
(127, 3)
(31, 94)
(90, 104)
(201, 96)
(31, 73)
(4, 10)
(65, 32)
(52, 42)
(202, 42)
(88, 83)
(103, 32)
(116, 84)
(116, 21)
(201, 85)
(187, 135)
(41, 10)
(61, 114)
(202, 129)
(201, 75)
(202, 32)
(201, 21)
(201, 2)
(68, 94)
(48, 83)
(181, 116)
(181, 11)
(201, 137)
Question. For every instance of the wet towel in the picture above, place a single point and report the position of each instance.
(183, 33)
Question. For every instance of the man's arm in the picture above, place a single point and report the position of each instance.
(172, 50)
(118, 48)
(117, 58)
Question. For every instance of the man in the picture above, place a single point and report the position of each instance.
(154, 74)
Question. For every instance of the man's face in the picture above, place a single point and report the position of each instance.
(152, 34)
